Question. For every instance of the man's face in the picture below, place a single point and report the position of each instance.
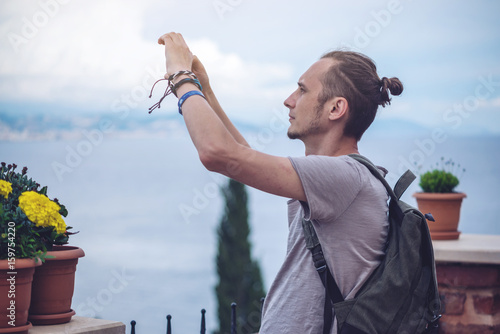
(306, 115)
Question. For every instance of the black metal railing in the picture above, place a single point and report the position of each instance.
(203, 323)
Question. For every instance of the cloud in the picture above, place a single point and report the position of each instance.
(88, 54)
(81, 53)
(240, 81)
(85, 55)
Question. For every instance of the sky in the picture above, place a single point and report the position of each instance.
(72, 57)
(68, 66)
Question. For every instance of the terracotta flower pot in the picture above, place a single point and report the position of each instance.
(445, 208)
(15, 292)
(53, 286)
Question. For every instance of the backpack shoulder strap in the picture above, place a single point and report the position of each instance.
(312, 243)
(332, 291)
(364, 161)
(403, 183)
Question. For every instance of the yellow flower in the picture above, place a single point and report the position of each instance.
(41, 210)
(5, 188)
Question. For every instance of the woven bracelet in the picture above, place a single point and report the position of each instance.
(186, 96)
(182, 82)
(176, 74)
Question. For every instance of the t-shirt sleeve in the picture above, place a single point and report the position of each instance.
(330, 185)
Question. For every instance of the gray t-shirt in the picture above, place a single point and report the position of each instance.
(348, 208)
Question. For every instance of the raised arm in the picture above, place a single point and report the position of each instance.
(219, 149)
(202, 75)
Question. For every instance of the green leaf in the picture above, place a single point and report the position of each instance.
(47, 229)
(63, 210)
(43, 191)
(438, 181)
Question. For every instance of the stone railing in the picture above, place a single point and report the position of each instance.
(468, 273)
(82, 325)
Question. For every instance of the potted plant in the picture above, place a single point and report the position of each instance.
(440, 199)
(31, 227)
(21, 251)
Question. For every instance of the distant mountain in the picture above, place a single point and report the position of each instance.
(406, 128)
(24, 126)
(46, 125)
(396, 127)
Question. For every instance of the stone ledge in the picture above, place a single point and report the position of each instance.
(469, 248)
(81, 325)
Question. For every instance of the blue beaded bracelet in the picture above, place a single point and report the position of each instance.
(186, 96)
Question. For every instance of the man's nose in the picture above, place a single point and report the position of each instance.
(289, 102)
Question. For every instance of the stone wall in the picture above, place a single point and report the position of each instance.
(470, 296)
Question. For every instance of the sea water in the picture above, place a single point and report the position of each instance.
(147, 212)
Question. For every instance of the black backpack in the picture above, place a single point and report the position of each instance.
(401, 295)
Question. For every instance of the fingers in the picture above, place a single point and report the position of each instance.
(197, 65)
(173, 37)
(163, 38)
(177, 54)
(198, 68)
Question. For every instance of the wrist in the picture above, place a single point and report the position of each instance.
(177, 75)
(186, 96)
(179, 78)
(207, 89)
(187, 87)
(179, 82)
(183, 78)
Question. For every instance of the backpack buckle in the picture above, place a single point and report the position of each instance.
(433, 325)
(321, 269)
(319, 259)
(435, 320)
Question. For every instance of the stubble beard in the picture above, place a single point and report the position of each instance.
(312, 128)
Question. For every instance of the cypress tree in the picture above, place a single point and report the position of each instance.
(240, 279)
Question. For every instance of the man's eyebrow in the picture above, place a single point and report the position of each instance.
(301, 85)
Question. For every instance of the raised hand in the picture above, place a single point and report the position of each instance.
(200, 72)
(177, 54)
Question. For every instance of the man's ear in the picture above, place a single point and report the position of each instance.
(338, 108)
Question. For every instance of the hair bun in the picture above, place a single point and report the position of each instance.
(392, 85)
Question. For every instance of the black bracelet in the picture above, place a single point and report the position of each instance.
(183, 81)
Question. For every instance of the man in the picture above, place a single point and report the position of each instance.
(335, 102)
